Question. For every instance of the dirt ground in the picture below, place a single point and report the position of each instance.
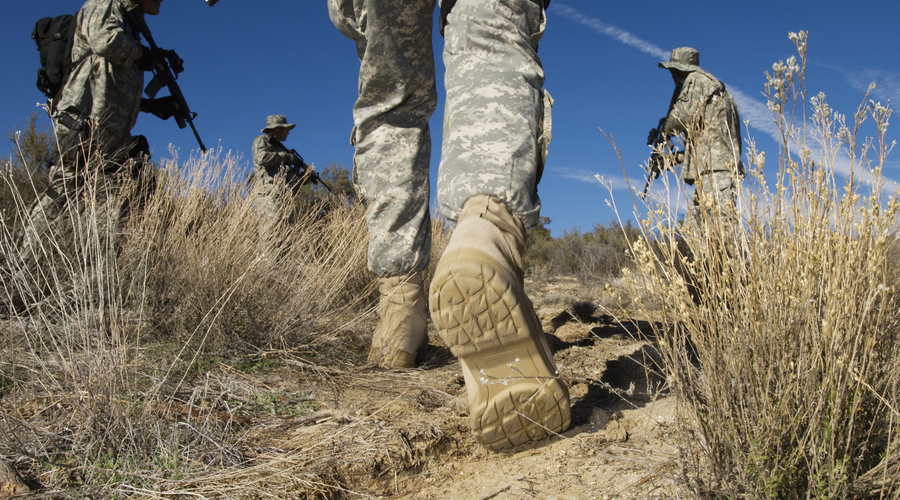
(300, 430)
(404, 434)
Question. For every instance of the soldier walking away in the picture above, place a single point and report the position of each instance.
(97, 110)
(278, 173)
(705, 113)
(496, 133)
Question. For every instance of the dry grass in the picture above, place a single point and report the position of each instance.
(134, 361)
(780, 336)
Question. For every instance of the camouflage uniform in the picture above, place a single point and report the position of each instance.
(707, 115)
(97, 110)
(496, 120)
(273, 176)
(105, 86)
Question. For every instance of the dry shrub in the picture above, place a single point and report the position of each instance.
(592, 257)
(780, 336)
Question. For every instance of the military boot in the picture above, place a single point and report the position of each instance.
(401, 337)
(479, 307)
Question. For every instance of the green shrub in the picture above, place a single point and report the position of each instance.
(591, 257)
(24, 175)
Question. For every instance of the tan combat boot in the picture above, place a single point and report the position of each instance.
(480, 310)
(401, 336)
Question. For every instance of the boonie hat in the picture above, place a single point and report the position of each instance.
(683, 59)
(275, 121)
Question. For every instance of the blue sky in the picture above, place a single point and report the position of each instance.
(247, 59)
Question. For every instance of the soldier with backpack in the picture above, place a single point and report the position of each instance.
(97, 105)
(100, 102)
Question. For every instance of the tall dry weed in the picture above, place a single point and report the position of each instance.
(780, 334)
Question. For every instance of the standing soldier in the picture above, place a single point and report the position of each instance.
(496, 132)
(273, 174)
(98, 108)
(102, 98)
(706, 114)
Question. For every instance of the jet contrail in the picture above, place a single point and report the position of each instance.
(610, 31)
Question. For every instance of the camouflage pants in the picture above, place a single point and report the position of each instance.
(81, 151)
(78, 145)
(272, 198)
(715, 197)
(496, 121)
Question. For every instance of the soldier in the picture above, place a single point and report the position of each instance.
(98, 108)
(496, 133)
(273, 160)
(706, 114)
(100, 104)
(101, 100)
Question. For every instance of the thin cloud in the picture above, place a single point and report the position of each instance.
(585, 176)
(755, 112)
(610, 31)
(887, 83)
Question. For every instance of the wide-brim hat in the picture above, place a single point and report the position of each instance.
(276, 121)
(683, 59)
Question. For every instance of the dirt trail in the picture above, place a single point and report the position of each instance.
(405, 434)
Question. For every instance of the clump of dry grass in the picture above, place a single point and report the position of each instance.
(205, 278)
(780, 336)
(111, 378)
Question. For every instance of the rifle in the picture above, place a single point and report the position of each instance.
(662, 145)
(312, 175)
(163, 76)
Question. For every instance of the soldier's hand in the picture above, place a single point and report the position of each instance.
(655, 165)
(176, 63)
(147, 60)
(164, 107)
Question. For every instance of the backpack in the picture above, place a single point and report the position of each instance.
(54, 37)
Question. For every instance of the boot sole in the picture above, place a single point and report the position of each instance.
(515, 395)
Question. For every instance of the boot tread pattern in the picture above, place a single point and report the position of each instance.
(477, 309)
(490, 325)
(525, 412)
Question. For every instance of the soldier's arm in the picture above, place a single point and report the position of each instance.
(678, 117)
(104, 30)
(267, 156)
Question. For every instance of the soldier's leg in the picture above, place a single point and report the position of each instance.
(496, 129)
(497, 115)
(714, 203)
(113, 179)
(73, 138)
(268, 211)
(35, 240)
(397, 96)
(713, 224)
